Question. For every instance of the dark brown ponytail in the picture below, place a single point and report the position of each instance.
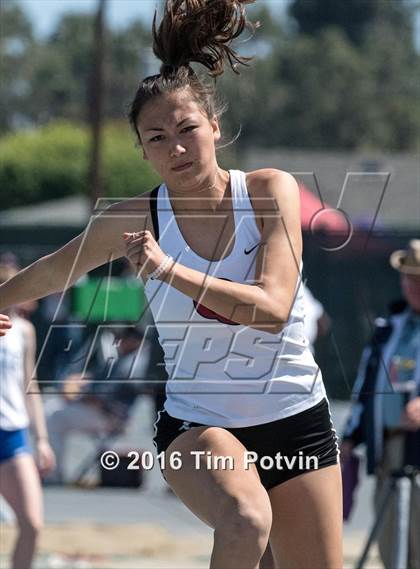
(199, 31)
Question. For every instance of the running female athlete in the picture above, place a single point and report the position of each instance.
(220, 255)
(19, 477)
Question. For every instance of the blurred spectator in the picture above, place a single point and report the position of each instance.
(53, 321)
(388, 422)
(101, 406)
(52, 310)
(21, 407)
(10, 260)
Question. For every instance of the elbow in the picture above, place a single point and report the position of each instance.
(271, 328)
(273, 317)
(273, 323)
(277, 327)
(279, 317)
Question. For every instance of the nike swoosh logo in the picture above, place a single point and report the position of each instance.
(250, 251)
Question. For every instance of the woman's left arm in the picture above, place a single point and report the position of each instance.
(266, 304)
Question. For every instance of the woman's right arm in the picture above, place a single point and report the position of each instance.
(100, 242)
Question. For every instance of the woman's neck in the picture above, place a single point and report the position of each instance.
(208, 195)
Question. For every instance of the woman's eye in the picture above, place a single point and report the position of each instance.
(160, 137)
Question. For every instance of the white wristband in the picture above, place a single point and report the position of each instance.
(160, 269)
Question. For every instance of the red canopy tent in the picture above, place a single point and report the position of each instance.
(317, 216)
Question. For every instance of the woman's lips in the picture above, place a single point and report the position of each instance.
(183, 167)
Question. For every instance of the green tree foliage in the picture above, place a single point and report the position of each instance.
(255, 97)
(126, 64)
(51, 163)
(350, 76)
(325, 91)
(331, 94)
(62, 67)
(317, 76)
(53, 73)
(393, 80)
(354, 17)
(347, 80)
(16, 46)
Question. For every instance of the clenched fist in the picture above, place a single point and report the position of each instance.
(144, 253)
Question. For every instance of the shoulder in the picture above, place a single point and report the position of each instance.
(272, 183)
(130, 209)
(137, 204)
(271, 190)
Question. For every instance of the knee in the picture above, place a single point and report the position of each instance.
(245, 521)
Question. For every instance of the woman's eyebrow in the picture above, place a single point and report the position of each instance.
(160, 129)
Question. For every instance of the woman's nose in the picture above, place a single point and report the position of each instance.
(177, 150)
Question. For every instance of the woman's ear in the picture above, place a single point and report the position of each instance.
(217, 135)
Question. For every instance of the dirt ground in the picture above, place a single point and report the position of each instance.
(131, 546)
(107, 540)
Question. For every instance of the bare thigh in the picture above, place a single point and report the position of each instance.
(307, 521)
(21, 488)
(213, 493)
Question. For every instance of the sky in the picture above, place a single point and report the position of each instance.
(46, 13)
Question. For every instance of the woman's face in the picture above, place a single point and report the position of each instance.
(175, 131)
(410, 285)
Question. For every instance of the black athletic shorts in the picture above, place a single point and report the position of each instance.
(285, 448)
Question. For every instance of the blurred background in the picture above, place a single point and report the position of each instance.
(332, 96)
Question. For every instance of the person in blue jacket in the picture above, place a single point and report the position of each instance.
(383, 417)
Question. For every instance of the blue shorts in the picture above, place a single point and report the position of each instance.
(13, 443)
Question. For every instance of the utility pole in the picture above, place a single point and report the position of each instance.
(96, 104)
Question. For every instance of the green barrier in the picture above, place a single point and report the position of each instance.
(108, 299)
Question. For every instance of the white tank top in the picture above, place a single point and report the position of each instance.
(220, 373)
(13, 413)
